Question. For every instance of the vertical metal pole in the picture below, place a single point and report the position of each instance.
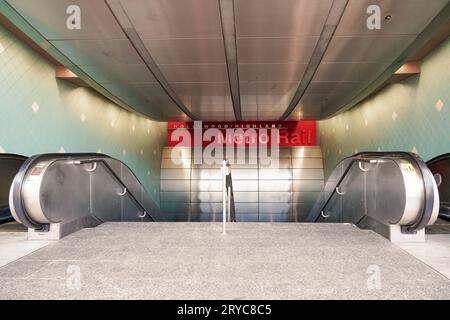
(229, 204)
(224, 189)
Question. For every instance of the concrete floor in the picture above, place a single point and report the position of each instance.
(195, 261)
(15, 245)
(435, 252)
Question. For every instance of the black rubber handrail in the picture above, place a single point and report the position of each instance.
(438, 158)
(17, 185)
(12, 156)
(229, 183)
(426, 175)
(120, 182)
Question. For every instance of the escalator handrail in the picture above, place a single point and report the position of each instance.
(12, 156)
(18, 181)
(426, 176)
(438, 158)
(120, 182)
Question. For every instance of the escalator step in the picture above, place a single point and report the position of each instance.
(12, 227)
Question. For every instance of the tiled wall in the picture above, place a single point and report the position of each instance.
(40, 114)
(193, 192)
(413, 115)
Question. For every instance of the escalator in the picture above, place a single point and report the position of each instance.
(78, 191)
(440, 168)
(377, 190)
(9, 166)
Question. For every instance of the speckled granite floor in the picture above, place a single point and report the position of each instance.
(195, 261)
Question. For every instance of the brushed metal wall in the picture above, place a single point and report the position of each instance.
(193, 192)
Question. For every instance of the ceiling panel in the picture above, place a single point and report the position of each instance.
(186, 51)
(120, 73)
(275, 92)
(345, 71)
(195, 72)
(281, 18)
(171, 19)
(366, 49)
(275, 50)
(199, 94)
(408, 17)
(98, 52)
(49, 17)
(277, 72)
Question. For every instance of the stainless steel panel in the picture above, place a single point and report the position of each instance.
(275, 92)
(347, 71)
(273, 72)
(246, 197)
(175, 197)
(283, 197)
(181, 216)
(307, 163)
(354, 19)
(175, 174)
(244, 174)
(206, 196)
(246, 208)
(281, 163)
(275, 217)
(275, 208)
(206, 207)
(245, 185)
(98, 52)
(176, 153)
(206, 174)
(247, 217)
(306, 152)
(49, 18)
(238, 165)
(303, 207)
(366, 49)
(287, 18)
(175, 208)
(120, 73)
(184, 163)
(307, 185)
(279, 186)
(308, 174)
(174, 19)
(275, 174)
(186, 51)
(175, 185)
(306, 196)
(195, 73)
(276, 50)
(200, 95)
(206, 217)
(206, 185)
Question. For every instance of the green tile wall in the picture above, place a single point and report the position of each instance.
(413, 115)
(40, 114)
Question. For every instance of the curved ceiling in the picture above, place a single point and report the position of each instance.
(232, 59)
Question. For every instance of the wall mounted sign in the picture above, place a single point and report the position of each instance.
(246, 133)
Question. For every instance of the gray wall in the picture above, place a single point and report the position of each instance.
(192, 192)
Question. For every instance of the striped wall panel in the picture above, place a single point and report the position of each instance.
(268, 191)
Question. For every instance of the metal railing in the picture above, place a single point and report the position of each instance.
(126, 190)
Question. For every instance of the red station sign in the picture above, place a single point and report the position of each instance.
(247, 133)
